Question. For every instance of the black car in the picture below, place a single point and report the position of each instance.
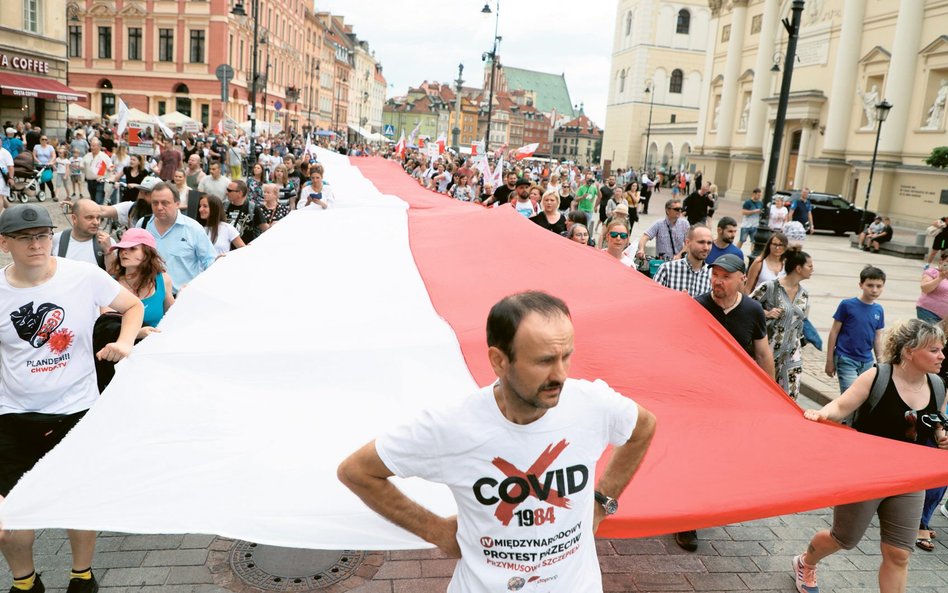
(831, 212)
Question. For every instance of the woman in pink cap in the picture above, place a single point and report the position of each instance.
(140, 269)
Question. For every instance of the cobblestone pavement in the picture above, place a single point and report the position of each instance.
(752, 556)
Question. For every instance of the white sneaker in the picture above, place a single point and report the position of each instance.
(944, 509)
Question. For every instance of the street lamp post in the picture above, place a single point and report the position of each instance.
(793, 32)
(648, 131)
(456, 130)
(238, 10)
(882, 112)
(493, 66)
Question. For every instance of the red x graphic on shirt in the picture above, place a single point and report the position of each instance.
(505, 510)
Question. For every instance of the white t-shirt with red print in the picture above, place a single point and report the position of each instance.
(46, 357)
(525, 493)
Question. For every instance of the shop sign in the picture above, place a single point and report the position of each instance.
(24, 64)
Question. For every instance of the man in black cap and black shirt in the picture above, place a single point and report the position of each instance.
(743, 318)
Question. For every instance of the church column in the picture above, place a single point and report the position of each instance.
(900, 80)
(757, 121)
(842, 99)
(732, 71)
(705, 95)
(802, 154)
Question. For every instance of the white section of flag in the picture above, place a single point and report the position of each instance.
(273, 366)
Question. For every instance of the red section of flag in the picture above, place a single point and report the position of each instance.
(730, 446)
(102, 169)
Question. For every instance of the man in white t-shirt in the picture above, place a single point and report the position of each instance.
(47, 373)
(85, 242)
(214, 183)
(95, 164)
(519, 457)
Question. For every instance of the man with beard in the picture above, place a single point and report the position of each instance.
(502, 194)
(85, 242)
(724, 243)
(689, 273)
(697, 205)
(476, 444)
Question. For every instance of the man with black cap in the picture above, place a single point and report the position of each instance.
(743, 318)
(47, 373)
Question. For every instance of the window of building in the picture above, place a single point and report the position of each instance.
(674, 84)
(197, 47)
(240, 56)
(134, 43)
(105, 43)
(726, 33)
(108, 105)
(683, 26)
(205, 114)
(755, 23)
(31, 16)
(75, 41)
(162, 107)
(165, 45)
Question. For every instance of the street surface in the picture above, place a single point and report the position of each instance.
(752, 556)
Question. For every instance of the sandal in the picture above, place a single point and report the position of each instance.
(923, 543)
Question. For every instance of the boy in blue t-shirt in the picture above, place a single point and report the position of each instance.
(857, 330)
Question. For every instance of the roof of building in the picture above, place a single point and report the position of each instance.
(550, 89)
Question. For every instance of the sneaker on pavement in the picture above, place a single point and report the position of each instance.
(804, 576)
(38, 587)
(83, 585)
(944, 509)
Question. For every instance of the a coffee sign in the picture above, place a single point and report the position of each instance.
(24, 64)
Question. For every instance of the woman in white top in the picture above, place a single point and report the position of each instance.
(769, 265)
(778, 214)
(222, 234)
(120, 158)
(45, 155)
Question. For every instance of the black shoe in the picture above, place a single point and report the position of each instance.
(83, 585)
(38, 587)
(686, 540)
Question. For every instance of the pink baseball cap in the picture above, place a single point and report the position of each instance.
(133, 237)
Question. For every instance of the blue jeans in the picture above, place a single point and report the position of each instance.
(932, 498)
(848, 369)
(748, 233)
(926, 315)
(96, 190)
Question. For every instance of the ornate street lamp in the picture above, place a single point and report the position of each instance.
(239, 11)
(882, 112)
(492, 54)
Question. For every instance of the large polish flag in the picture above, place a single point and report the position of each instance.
(334, 326)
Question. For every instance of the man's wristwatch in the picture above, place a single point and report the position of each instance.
(610, 505)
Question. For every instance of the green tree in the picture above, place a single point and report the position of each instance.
(938, 158)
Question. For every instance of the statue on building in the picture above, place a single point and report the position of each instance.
(717, 115)
(869, 101)
(937, 109)
(745, 114)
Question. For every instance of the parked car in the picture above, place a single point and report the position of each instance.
(831, 212)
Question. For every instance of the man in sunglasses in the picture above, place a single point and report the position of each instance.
(669, 233)
(47, 372)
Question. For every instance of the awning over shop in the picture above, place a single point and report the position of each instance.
(22, 85)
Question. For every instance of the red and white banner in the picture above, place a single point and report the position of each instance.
(526, 151)
(236, 428)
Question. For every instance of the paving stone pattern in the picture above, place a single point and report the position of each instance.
(752, 556)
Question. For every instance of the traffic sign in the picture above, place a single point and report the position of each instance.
(389, 131)
(277, 105)
(224, 72)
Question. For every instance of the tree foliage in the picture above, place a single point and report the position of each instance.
(938, 158)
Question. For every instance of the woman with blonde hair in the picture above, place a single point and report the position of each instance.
(289, 190)
(906, 411)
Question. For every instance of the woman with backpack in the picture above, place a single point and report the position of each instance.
(900, 400)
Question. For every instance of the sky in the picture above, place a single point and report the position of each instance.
(417, 41)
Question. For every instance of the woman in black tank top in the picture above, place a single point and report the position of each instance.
(914, 351)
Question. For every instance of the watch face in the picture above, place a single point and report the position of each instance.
(611, 506)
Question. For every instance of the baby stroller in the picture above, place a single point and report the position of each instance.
(27, 179)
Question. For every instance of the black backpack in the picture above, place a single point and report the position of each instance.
(64, 247)
(881, 381)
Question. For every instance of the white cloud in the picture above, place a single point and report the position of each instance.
(417, 40)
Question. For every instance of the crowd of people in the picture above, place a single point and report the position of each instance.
(195, 200)
(765, 307)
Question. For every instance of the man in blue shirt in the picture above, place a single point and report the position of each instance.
(727, 232)
(182, 241)
(857, 330)
(12, 143)
(801, 210)
(750, 210)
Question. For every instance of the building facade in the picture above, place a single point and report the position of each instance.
(851, 55)
(656, 74)
(34, 70)
(578, 140)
